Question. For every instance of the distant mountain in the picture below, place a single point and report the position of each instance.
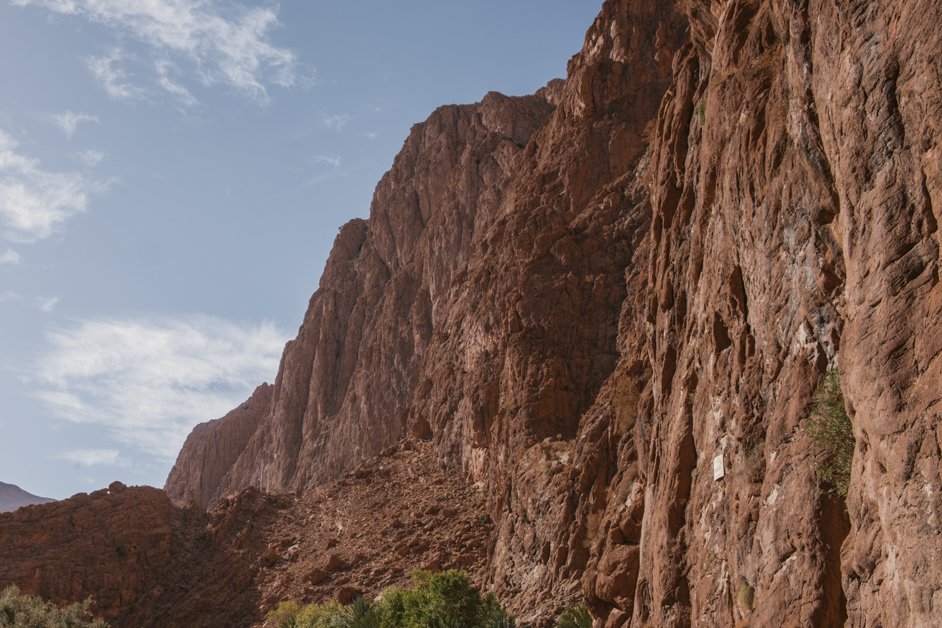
(13, 497)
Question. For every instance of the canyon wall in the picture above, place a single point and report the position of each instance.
(610, 304)
(345, 381)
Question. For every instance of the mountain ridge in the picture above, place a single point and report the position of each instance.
(13, 497)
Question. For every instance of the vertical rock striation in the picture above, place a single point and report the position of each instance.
(213, 447)
(610, 304)
(344, 382)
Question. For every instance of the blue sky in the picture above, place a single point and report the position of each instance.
(172, 175)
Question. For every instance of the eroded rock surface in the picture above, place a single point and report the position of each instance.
(213, 447)
(346, 380)
(610, 305)
(146, 562)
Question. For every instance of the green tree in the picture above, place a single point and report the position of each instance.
(18, 610)
(437, 600)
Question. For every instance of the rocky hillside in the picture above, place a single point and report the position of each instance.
(608, 306)
(148, 563)
(13, 497)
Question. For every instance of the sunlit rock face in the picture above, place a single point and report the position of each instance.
(610, 304)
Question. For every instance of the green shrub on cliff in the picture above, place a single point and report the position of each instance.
(832, 435)
(18, 610)
(576, 617)
(437, 600)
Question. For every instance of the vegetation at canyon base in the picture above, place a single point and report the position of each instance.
(832, 434)
(447, 599)
(576, 617)
(18, 610)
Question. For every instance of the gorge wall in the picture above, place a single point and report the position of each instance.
(589, 297)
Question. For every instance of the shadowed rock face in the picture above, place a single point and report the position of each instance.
(590, 298)
(146, 562)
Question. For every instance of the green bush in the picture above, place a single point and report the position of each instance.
(576, 617)
(18, 610)
(437, 600)
(832, 435)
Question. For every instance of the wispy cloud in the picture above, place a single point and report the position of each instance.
(48, 304)
(43, 304)
(327, 160)
(34, 201)
(92, 457)
(91, 158)
(336, 121)
(69, 121)
(226, 43)
(113, 78)
(164, 69)
(10, 257)
(150, 381)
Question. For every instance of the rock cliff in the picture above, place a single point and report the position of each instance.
(344, 383)
(608, 306)
(213, 447)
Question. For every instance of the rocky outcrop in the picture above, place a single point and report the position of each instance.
(146, 562)
(212, 448)
(137, 555)
(13, 497)
(610, 306)
(345, 381)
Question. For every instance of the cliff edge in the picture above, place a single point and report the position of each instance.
(610, 305)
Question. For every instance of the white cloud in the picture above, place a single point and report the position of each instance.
(91, 158)
(164, 68)
(336, 122)
(92, 457)
(148, 382)
(114, 79)
(43, 304)
(69, 121)
(10, 257)
(226, 43)
(33, 201)
(327, 159)
(48, 304)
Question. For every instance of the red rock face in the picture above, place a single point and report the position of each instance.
(590, 309)
(148, 563)
(345, 381)
(145, 562)
(212, 448)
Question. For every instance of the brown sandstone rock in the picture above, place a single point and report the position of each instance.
(148, 563)
(590, 309)
(212, 448)
(345, 381)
